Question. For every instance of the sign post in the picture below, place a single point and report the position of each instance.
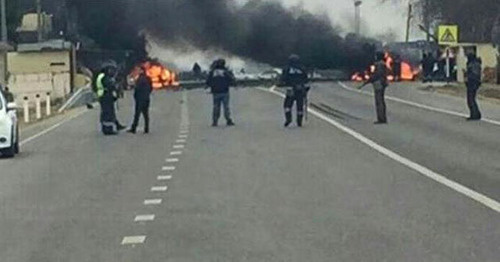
(448, 36)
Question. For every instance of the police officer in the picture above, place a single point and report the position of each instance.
(107, 95)
(473, 82)
(379, 81)
(219, 80)
(142, 94)
(294, 77)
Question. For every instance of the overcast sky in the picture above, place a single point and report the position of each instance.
(377, 18)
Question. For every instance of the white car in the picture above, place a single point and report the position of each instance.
(9, 130)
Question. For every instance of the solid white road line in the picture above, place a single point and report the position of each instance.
(483, 199)
(143, 218)
(164, 177)
(159, 189)
(178, 146)
(168, 168)
(29, 139)
(148, 202)
(175, 153)
(131, 240)
(422, 106)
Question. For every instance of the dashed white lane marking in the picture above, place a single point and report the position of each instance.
(159, 188)
(175, 153)
(178, 146)
(168, 168)
(183, 132)
(180, 141)
(183, 136)
(148, 202)
(132, 240)
(143, 218)
(172, 160)
(164, 177)
(422, 106)
(483, 199)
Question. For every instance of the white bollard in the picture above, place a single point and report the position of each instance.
(48, 105)
(38, 104)
(26, 110)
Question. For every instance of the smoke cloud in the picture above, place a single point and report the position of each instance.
(260, 30)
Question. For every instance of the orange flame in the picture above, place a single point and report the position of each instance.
(407, 72)
(160, 76)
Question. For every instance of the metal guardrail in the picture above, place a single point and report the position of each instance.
(75, 96)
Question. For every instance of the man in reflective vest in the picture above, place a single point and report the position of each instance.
(107, 95)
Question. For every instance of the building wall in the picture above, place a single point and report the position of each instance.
(488, 54)
(32, 73)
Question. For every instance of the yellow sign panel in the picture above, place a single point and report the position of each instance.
(448, 34)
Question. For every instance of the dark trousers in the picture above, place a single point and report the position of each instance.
(291, 98)
(109, 123)
(221, 99)
(380, 104)
(141, 107)
(472, 101)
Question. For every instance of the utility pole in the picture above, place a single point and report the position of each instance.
(39, 18)
(427, 18)
(408, 22)
(3, 8)
(357, 16)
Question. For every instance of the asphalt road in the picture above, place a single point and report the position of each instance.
(253, 192)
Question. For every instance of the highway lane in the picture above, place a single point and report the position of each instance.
(72, 193)
(466, 152)
(255, 192)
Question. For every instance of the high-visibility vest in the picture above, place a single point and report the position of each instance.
(100, 85)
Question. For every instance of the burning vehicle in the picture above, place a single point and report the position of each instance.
(399, 70)
(161, 77)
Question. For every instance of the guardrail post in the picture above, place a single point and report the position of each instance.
(48, 104)
(26, 110)
(38, 104)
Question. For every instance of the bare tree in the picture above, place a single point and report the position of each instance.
(476, 18)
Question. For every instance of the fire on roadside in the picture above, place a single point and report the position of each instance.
(408, 73)
(161, 77)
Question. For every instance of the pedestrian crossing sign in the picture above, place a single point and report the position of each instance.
(448, 34)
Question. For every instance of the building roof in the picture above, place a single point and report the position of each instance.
(50, 45)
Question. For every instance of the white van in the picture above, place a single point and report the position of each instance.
(9, 130)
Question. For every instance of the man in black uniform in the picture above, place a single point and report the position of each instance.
(142, 94)
(295, 78)
(473, 82)
(219, 80)
(108, 95)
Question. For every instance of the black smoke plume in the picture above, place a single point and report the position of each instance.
(261, 30)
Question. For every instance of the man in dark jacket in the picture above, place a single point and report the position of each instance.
(379, 81)
(294, 77)
(142, 94)
(219, 80)
(473, 82)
